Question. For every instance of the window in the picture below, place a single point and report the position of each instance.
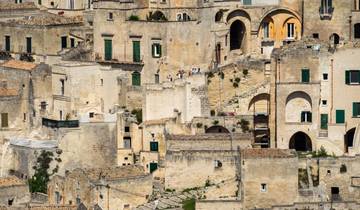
(340, 116)
(263, 187)
(356, 109)
(39, 2)
(52, 4)
(182, 17)
(290, 30)
(154, 146)
(357, 31)
(108, 49)
(43, 105)
(127, 129)
(247, 2)
(110, 16)
(71, 4)
(306, 116)
(325, 76)
(352, 77)
(315, 35)
(4, 120)
(335, 193)
(91, 114)
(72, 42)
(218, 16)
(101, 82)
(28, 44)
(324, 121)
(324, 102)
(153, 167)
(127, 142)
(136, 78)
(218, 164)
(78, 200)
(24, 117)
(57, 197)
(7, 43)
(156, 50)
(157, 78)
(326, 7)
(63, 42)
(136, 51)
(62, 83)
(266, 29)
(305, 75)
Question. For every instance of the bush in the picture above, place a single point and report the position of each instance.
(245, 72)
(244, 124)
(138, 115)
(320, 153)
(199, 125)
(237, 79)
(134, 18)
(38, 182)
(215, 122)
(189, 204)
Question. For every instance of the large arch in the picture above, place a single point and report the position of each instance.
(300, 141)
(237, 13)
(263, 99)
(217, 129)
(158, 16)
(237, 35)
(349, 139)
(296, 104)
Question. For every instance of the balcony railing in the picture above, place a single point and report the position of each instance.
(60, 123)
(326, 12)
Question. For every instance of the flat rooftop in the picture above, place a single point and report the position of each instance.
(13, 6)
(21, 65)
(46, 19)
(11, 181)
(210, 136)
(114, 173)
(268, 153)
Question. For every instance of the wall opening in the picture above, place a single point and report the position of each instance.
(237, 35)
(300, 141)
(349, 139)
(357, 31)
(217, 129)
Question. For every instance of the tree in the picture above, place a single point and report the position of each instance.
(38, 182)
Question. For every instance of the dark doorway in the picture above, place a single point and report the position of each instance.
(237, 34)
(357, 31)
(349, 139)
(300, 142)
(335, 39)
(217, 129)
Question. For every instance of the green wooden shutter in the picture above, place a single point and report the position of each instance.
(324, 121)
(136, 51)
(108, 49)
(309, 117)
(136, 78)
(247, 2)
(305, 75)
(4, 120)
(340, 116)
(161, 54)
(302, 116)
(7, 43)
(347, 77)
(153, 50)
(154, 146)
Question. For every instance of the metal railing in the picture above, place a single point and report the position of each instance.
(60, 123)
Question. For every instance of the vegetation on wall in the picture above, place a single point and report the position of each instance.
(134, 18)
(138, 115)
(38, 182)
(189, 204)
(244, 124)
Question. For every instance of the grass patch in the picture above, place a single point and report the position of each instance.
(189, 204)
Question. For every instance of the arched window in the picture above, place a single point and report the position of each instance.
(157, 16)
(182, 17)
(357, 31)
(219, 16)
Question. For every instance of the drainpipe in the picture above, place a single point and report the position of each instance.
(332, 89)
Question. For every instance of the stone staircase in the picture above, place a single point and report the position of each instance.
(171, 200)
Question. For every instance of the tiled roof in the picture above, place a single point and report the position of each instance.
(209, 136)
(47, 19)
(8, 92)
(16, 64)
(13, 6)
(114, 173)
(268, 153)
(11, 181)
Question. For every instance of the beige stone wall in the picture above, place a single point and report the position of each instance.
(218, 205)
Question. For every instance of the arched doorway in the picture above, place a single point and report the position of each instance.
(335, 39)
(237, 35)
(349, 139)
(217, 129)
(300, 141)
(157, 16)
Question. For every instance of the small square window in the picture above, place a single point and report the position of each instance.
(127, 129)
(263, 187)
(126, 158)
(91, 114)
(156, 50)
(315, 35)
(325, 76)
(324, 102)
(110, 16)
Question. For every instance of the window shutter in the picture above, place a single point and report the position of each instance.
(310, 117)
(347, 77)
(302, 116)
(153, 50)
(355, 109)
(160, 52)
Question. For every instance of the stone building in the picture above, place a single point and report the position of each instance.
(311, 109)
(109, 188)
(13, 191)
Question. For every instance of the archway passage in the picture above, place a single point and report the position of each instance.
(237, 35)
(349, 139)
(357, 31)
(217, 129)
(300, 141)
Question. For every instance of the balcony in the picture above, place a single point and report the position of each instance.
(60, 123)
(326, 13)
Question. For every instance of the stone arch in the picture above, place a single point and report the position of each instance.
(296, 103)
(263, 100)
(300, 141)
(236, 14)
(217, 129)
(237, 35)
(158, 16)
(218, 16)
(349, 139)
(357, 31)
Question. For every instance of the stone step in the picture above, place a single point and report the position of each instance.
(169, 202)
(175, 199)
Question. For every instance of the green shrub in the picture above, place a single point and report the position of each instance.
(134, 18)
(138, 115)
